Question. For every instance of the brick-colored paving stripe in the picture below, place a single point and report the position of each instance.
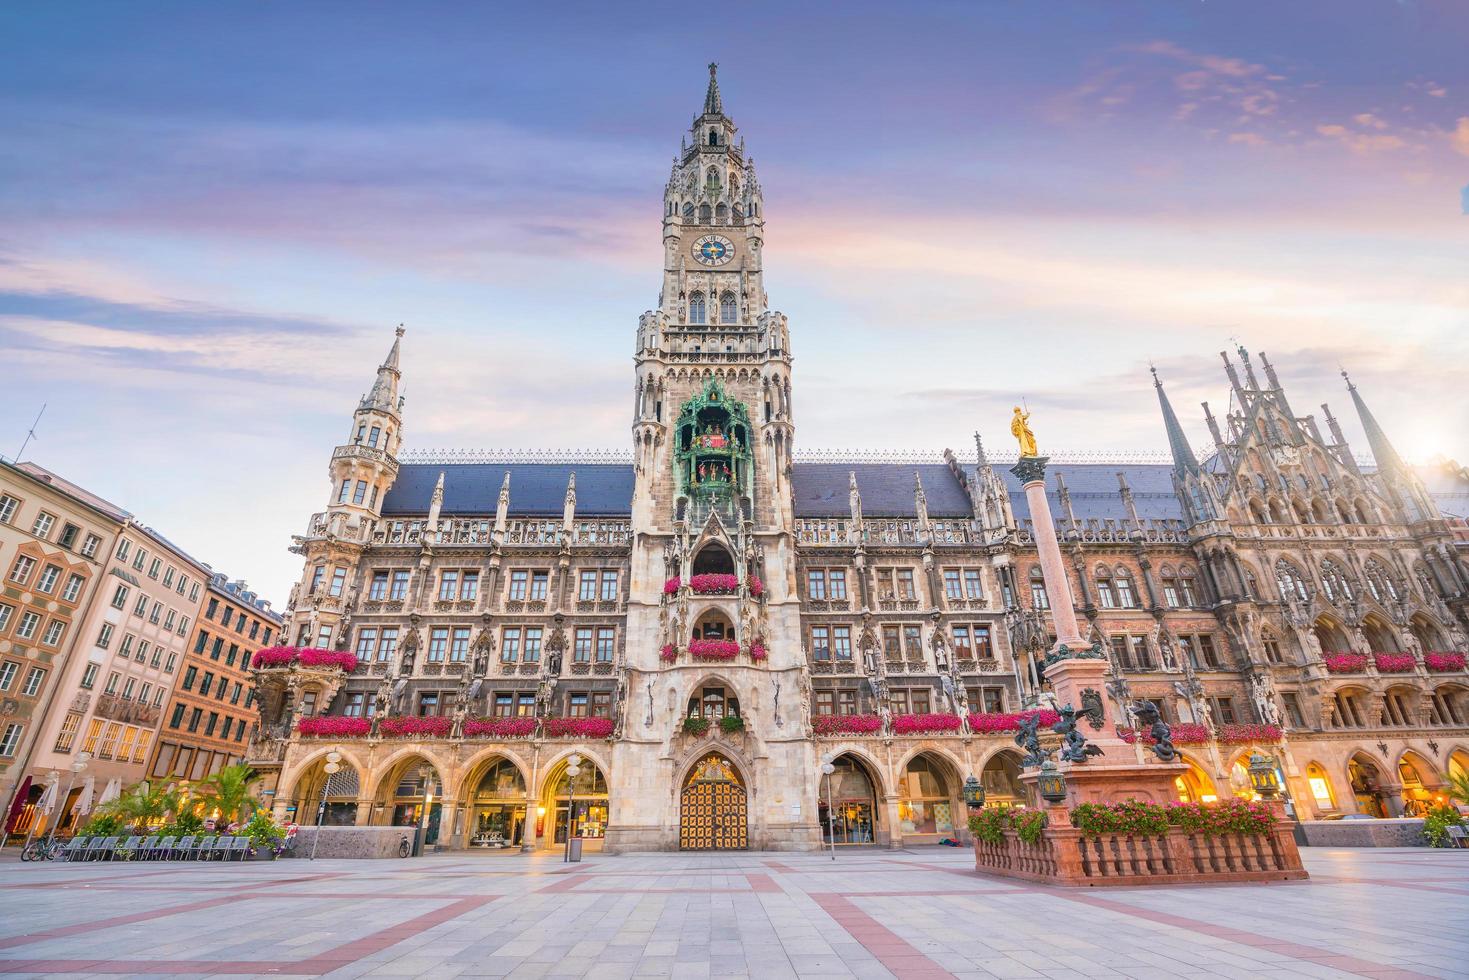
(61, 932)
(350, 952)
(1297, 951)
(783, 869)
(762, 882)
(567, 883)
(891, 950)
(1416, 885)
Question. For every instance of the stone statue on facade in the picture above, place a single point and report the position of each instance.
(1028, 738)
(408, 652)
(484, 649)
(1262, 691)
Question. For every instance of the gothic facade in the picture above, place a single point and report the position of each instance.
(745, 649)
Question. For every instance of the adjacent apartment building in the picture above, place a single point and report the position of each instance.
(54, 540)
(211, 713)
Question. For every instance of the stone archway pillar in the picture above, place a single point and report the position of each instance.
(364, 813)
(532, 820)
(1392, 798)
(890, 814)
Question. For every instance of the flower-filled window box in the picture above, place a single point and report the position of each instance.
(758, 651)
(577, 727)
(846, 724)
(995, 723)
(731, 724)
(1394, 663)
(1241, 734)
(696, 726)
(306, 657)
(668, 654)
(334, 726)
(1443, 661)
(714, 649)
(932, 724)
(1185, 733)
(1345, 663)
(499, 727)
(415, 726)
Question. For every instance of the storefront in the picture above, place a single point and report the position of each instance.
(1001, 781)
(925, 806)
(585, 805)
(498, 815)
(847, 806)
(416, 788)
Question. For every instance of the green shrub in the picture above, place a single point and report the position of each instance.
(989, 825)
(102, 825)
(1436, 824)
(263, 831)
(694, 725)
(1140, 818)
(1028, 824)
(730, 724)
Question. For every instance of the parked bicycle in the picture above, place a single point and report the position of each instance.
(43, 850)
(404, 849)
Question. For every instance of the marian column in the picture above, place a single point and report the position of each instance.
(1077, 671)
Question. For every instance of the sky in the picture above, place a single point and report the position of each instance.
(212, 216)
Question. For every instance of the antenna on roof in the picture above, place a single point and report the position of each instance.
(31, 433)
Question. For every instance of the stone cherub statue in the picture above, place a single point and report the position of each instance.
(1074, 747)
(1147, 714)
(1029, 739)
(1020, 429)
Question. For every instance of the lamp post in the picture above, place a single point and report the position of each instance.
(827, 768)
(426, 773)
(1051, 783)
(333, 765)
(973, 793)
(1263, 777)
(573, 769)
(77, 766)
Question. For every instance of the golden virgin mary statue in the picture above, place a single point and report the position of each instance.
(1020, 429)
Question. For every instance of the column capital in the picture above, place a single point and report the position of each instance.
(1030, 469)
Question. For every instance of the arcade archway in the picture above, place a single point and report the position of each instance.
(846, 805)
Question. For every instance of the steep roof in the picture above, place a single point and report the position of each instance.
(536, 489)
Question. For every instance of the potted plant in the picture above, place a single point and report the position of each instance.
(695, 726)
(730, 724)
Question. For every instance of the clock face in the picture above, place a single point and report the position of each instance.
(713, 250)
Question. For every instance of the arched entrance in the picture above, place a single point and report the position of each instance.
(1416, 776)
(1001, 781)
(1366, 782)
(846, 805)
(926, 804)
(713, 811)
(497, 806)
(1194, 786)
(342, 787)
(588, 798)
(410, 788)
(1320, 784)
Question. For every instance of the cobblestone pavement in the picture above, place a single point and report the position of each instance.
(910, 914)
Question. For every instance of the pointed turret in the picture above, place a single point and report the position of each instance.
(1395, 475)
(1184, 463)
(365, 467)
(712, 103)
(384, 394)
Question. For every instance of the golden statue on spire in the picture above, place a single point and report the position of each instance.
(1020, 429)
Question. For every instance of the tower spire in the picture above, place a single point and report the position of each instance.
(712, 103)
(1184, 463)
(384, 394)
(1388, 460)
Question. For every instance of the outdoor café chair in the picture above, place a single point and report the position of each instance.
(74, 849)
(239, 846)
(104, 849)
(206, 847)
(163, 849)
(132, 844)
(184, 848)
(221, 847)
(147, 848)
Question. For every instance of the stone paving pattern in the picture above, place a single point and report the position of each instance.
(868, 914)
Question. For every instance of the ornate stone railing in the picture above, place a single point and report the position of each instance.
(1064, 856)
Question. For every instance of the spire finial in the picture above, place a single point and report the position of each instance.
(399, 331)
(713, 106)
(1348, 379)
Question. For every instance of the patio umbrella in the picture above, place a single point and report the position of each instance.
(47, 802)
(112, 792)
(84, 802)
(17, 805)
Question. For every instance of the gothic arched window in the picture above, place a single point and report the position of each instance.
(1292, 583)
(1380, 581)
(706, 213)
(1038, 597)
(713, 137)
(1334, 582)
(1126, 595)
(721, 214)
(728, 310)
(688, 210)
(1106, 598)
(696, 308)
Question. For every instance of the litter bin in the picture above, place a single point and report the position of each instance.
(573, 853)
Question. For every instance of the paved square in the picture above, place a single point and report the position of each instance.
(909, 914)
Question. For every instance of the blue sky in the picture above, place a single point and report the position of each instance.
(212, 215)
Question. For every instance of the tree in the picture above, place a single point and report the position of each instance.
(142, 804)
(1458, 786)
(229, 790)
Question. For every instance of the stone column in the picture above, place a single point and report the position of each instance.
(364, 813)
(1031, 471)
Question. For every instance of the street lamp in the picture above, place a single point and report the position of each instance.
(332, 767)
(973, 793)
(573, 769)
(78, 764)
(1051, 783)
(828, 767)
(1263, 777)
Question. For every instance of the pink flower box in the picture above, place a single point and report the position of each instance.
(925, 724)
(403, 726)
(1394, 663)
(709, 584)
(1241, 734)
(1345, 663)
(306, 657)
(670, 586)
(669, 653)
(758, 652)
(846, 724)
(499, 727)
(334, 726)
(714, 649)
(577, 727)
(757, 587)
(995, 723)
(1185, 733)
(1442, 661)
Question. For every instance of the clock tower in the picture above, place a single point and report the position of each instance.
(714, 615)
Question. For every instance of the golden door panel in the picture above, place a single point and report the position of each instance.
(713, 816)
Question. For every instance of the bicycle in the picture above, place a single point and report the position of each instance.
(42, 850)
(403, 849)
